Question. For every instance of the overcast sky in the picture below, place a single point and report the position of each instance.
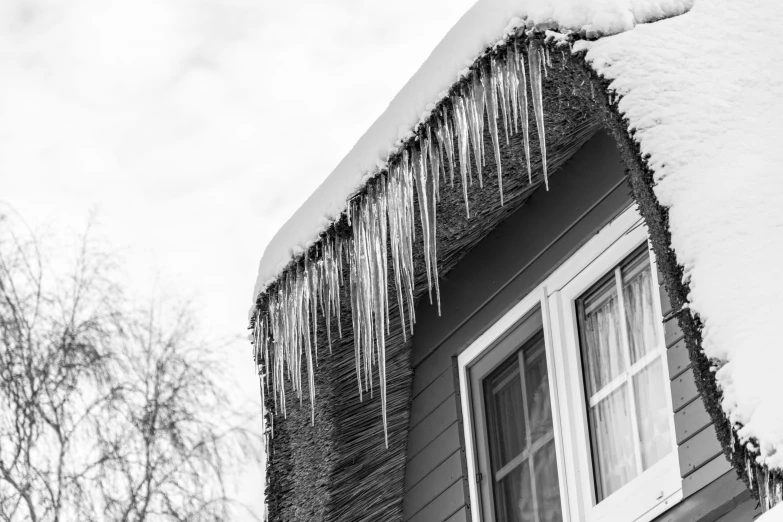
(194, 128)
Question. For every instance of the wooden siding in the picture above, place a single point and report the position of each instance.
(584, 196)
(700, 454)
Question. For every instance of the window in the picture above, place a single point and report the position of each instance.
(607, 334)
(516, 466)
(521, 437)
(622, 359)
(566, 399)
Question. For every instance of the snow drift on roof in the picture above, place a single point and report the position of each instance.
(703, 92)
(482, 26)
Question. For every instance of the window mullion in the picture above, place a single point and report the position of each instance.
(645, 361)
(607, 390)
(528, 433)
(626, 349)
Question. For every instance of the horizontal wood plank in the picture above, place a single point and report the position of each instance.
(432, 397)
(690, 420)
(666, 305)
(683, 390)
(442, 507)
(444, 445)
(705, 475)
(678, 358)
(432, 485)
(459, 516)
(433, 425)
(430, 369)
(672, 331)
(698, 450)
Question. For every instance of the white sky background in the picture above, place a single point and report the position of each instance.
(194, 128)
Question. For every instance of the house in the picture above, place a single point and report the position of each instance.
(554, 296)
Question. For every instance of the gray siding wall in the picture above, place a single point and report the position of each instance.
(506, 265)
(710, 488)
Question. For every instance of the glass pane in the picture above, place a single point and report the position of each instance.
(514, 498)
(547, 488)
(538, 395)
(611, 431)
(652, 413)
(643, 325)
(506, 420)
(518, 420)
(603, 351)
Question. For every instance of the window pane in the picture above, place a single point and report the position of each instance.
(547, 488)
(640, 313)
(514, 498)
(602, 353)
(614, 457)
(538, 394)
(506, 424)
(520, 435)
(652, 412)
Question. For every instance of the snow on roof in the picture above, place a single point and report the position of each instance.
(482, 26)
(773, 515)
(703, 91)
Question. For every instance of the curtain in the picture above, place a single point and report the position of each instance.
(603, 356)
(652, 413)
(640, 315)
(614, 455)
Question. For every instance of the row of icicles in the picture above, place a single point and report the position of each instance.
(286, 332)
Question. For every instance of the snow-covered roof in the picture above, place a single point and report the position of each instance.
(487, 22)
(703, 92)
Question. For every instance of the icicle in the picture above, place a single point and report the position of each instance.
(434, 165)
(327, 303)
(256, 336)
(369, 283)
(522, 93)
(433, 237)
(396, 215)
(448, 141)
(463, 136)
(490, 89)
(534, 55)
(513, 85)
(767, 498)
(499, 75)
(311, 272)
(462, 145)
(420, 178)
(383, 223)
(477, 89)
(469, 96)
(303, 304)
(407, 232)
(439, 134)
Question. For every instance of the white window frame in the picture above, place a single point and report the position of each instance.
(649, 494)
(465, 360)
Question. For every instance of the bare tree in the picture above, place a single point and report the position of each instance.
(107, 412)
